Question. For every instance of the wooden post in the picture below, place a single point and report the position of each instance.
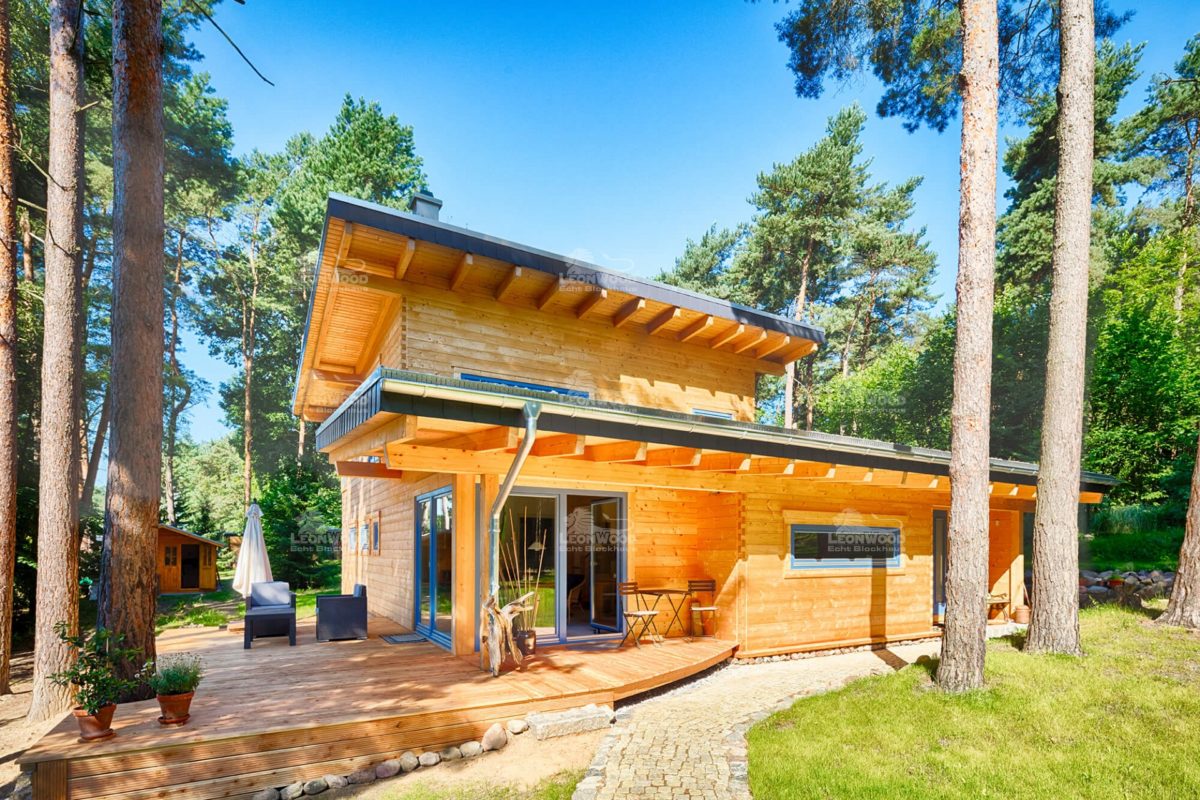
(466, 542)
(491, 488)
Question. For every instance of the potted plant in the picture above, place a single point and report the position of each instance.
(174, 680)
(94, 677)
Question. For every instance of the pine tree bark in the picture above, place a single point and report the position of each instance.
(1054, 624)
(964, 640)
(8, 351)
(86, 502)
(27, 272)
(1184, 606)
(135, 445)
(58, 499)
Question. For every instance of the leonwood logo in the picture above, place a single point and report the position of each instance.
(580, 279)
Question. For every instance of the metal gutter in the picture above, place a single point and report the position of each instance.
(530, 413)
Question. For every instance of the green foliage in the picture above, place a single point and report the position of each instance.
(1113, 723)
(93, 673)
(174, 674)
(209, 483)
(301, 505)
(1135, 551)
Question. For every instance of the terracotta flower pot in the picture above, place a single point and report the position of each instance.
(93, 727)
(526, 642)
(1020, 615)
(175, 708)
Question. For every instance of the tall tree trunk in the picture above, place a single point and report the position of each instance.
(301, 432)
(789, 371)
(249, 321)
(87, 504)
(1054, 626)
(174, 375)
(135, 448)
(1184, 606)
(1189, 223)
(27, 272)
(810, 392)
(964, 641)
(58, 498)
(8, 351)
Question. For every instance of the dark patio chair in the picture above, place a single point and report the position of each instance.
(270, 611)
(342, 616)
(638, 619)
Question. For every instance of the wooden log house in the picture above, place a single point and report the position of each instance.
(432, 351)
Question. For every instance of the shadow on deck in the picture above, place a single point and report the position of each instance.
(276, 714)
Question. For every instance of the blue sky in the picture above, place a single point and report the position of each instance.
(611, 132)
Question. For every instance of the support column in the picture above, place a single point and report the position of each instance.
(466, 605)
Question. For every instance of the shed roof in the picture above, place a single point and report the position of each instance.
(162, 526)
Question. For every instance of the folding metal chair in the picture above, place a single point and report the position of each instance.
(638, 618)
(696, 588)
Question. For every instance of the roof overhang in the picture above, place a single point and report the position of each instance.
(397, 394)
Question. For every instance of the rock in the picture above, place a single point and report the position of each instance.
(1156, 575)
(292, 791)
(548, 724)
(23, 787)
(429, 759)
(335, 781)
(409, 761)
(1108, 573)
(266, 794)
(316, 786)
(470, 749)
(1098, 592)
(1089, 574)
(388, 768)
(450, 753)
(361, 776)
(517, 726)
(495, 738)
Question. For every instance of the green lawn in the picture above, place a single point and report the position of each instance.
(1118, 723)
(1133, 551)
(224, 604)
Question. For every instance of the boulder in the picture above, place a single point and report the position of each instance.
(292, 791)
(1156, 575)
(517, 726)
(361, 776)
(1089, 574)
(335, 781)
(1099, 592)
(388, 768)
(409, 761)
(495, 738)
(266, 794)
(316, 786)
(470, 749)
(450, 753)
(429, 759)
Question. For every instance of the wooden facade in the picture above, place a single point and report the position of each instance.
(186, 562)
(424, 340)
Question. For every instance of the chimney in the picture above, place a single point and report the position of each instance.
(424, 204)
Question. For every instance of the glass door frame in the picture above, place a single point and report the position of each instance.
(424, 577)
(560, 557)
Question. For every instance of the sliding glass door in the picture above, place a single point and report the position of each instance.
(565, 551)
(433, 575)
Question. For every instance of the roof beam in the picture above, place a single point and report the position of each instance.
(673, 457)
(333, 376)
(615, 452)
(728, 335)
(800, 349)
(553, 291)
(405, 260)
(568, 445)
(723, 462)
(368, 469)
(349, 279)
(627, 311)
(593, 299)
(343, 250)
(754, 341)
(696, 328)
(506, 285)
(402, 428)
(499, 437)
(461, 272)
(771, 347)
(663, 320)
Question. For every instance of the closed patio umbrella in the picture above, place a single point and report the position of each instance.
(252, 564)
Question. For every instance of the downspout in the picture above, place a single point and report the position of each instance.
(530, 413)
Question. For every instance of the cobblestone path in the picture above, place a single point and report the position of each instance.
(690, 743)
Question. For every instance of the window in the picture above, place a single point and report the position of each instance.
(843, 546)
(534, 387)
(206, 556)
(170, 556)
(365, 537)
(375, 525)
(353, 536)
(704, 412)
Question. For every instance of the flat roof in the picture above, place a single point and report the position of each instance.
(419, 394)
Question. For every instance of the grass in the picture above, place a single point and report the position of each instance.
(1134, 551)
(557, 787)
(1118, 723)
(216, 608)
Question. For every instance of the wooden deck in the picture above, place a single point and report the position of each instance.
(275, 714)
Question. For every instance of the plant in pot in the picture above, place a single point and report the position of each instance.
(522, 557)
(174, 680)
(94, 678)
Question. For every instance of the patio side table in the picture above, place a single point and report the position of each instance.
(268, 614)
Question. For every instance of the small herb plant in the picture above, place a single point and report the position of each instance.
(94, 672)
(174, 674)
